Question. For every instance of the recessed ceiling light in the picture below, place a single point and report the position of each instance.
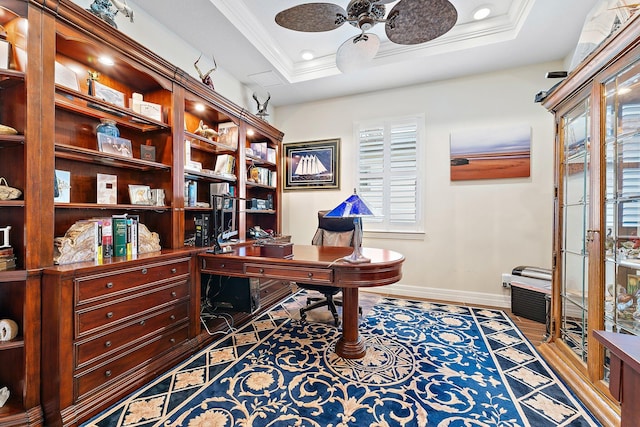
(481, 13)
(250, 132)
(307, 55)
(199, 107)
(106, 60)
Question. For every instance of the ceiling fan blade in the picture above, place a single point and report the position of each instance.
(357, 52)
(418, 21)
(312, 17)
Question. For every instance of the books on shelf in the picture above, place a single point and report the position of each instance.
(7, 259)
(264, 176)
(271, 155)
(132, 236)
(259, 150)
(107, 189)
(107, 237)
(119, 236)
(225, 164)
(116, 236)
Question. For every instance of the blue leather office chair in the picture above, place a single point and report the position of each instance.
(330, 232)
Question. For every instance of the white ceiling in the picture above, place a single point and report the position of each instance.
(247, 43)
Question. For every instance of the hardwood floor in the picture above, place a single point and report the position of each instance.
(534, 331)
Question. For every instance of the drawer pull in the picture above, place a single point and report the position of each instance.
(173, 271)
(261, 270)
(107, 374)
(173, 317)
(173, 340)
(173, 294)
(109, 285)
(310, 274)
(222, 265)
(107, 344)
(142, 322)
(144, 271)
(110, 315)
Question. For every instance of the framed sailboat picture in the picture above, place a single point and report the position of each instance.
(312, 165)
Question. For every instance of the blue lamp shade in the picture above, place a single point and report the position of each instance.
(354, 207)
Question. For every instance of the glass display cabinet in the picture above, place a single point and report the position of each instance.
(574, 205)
(596, 255)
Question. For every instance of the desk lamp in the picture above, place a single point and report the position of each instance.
(355, 208)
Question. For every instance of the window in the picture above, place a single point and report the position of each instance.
(389, 173)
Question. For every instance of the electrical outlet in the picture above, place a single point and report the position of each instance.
(506, 280)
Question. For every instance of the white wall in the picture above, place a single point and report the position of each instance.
(475, 230)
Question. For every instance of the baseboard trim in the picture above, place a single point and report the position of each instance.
(477, 298)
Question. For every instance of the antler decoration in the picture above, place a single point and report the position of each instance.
(206, 78)
(262, 107)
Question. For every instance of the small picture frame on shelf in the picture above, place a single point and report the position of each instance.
(64, 76)
(63, 184)
(114, 145)
(228, 135)
(107, 189)
(148, 152)
(5, 48)
(108, 94)
(147, 109)
(140, 195)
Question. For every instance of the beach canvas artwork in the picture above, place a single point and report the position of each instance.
(491, 153)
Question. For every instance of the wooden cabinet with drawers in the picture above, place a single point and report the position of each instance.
(86, 330)
(102, 324)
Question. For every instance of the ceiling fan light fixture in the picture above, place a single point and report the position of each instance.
(481, 13)
(409, 22)
(357, 52)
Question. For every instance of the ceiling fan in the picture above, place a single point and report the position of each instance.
(409, 22)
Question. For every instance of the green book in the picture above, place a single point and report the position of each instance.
(119, 236)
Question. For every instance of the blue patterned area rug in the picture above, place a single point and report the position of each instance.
(427, 364)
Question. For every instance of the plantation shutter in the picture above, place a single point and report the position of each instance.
(403, 179)
(371, 172)
(388, 174)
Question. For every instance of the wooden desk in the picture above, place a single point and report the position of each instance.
(322, 265)
(624, 373)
